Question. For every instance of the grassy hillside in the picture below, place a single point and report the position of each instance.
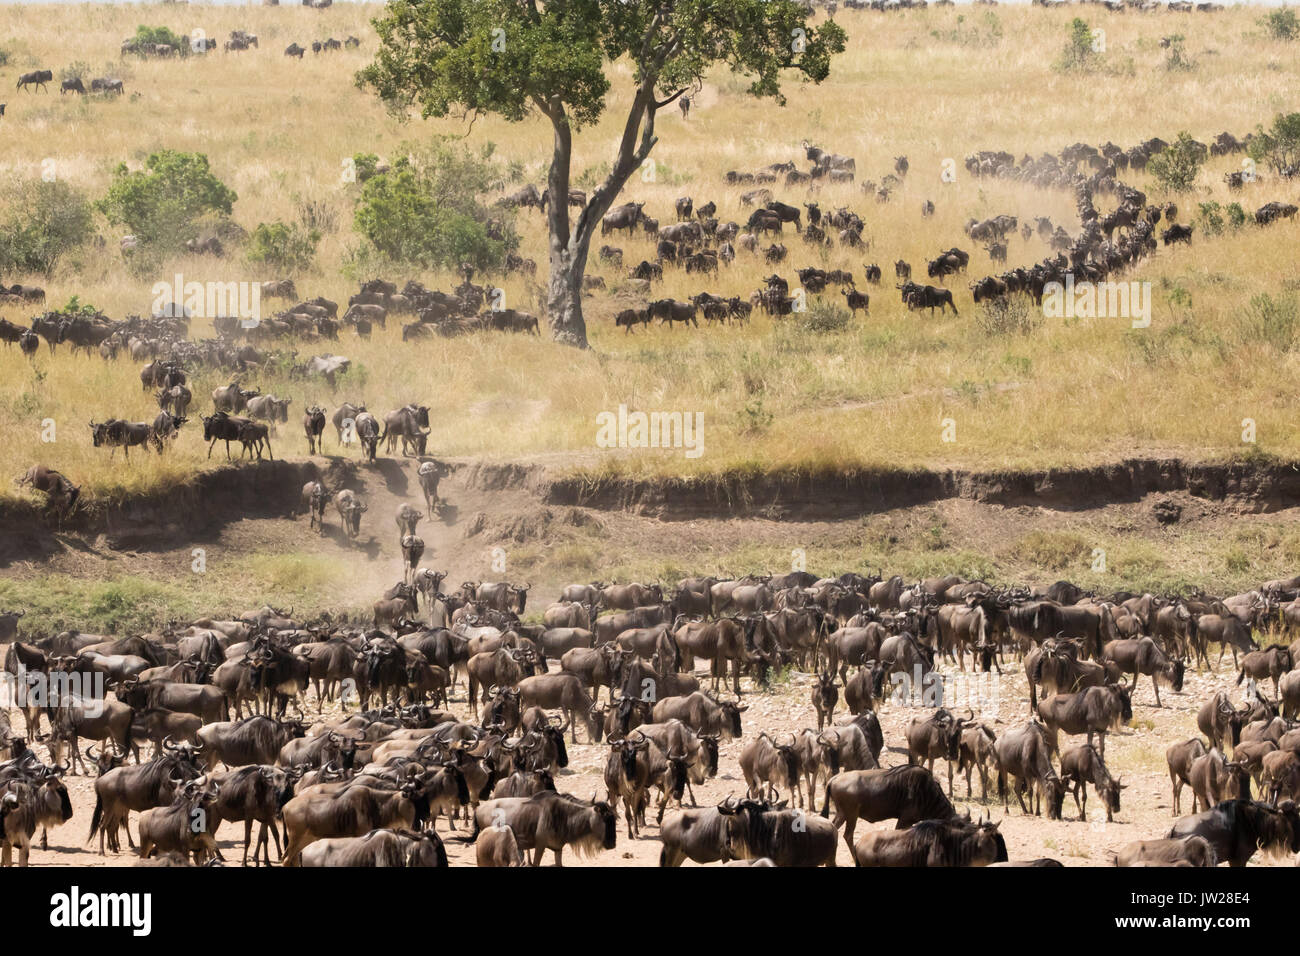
(930, 85)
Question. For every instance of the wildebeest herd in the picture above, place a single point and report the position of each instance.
(448, 705)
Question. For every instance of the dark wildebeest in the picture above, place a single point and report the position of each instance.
(910, 794)
(1081, 765)
(1236, 829)
(944, 843)
(313, 426)
(1092, 711)
(551, 821)
(1142, 656)
(787, 837)
(36, 78)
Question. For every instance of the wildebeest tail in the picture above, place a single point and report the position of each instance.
(97, 818)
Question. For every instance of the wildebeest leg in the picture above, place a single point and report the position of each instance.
(1155, 685)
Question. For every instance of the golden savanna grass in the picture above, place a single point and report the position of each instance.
(931, 85)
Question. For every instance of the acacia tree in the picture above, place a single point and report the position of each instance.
(517, 58)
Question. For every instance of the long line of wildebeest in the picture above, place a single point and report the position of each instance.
(368, 783)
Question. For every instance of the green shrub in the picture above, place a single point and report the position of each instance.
(1278, 146)
(1176, 167)
(1176, 59)
(286, 247)
(1080, 54)
(1281, 24)
(427, 212)
(43, 223)
(162, 203)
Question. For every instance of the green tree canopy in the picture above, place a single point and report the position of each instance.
(516, 58)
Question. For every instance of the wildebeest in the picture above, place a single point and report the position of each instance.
(1237, 829)
(350, 509)
(1190, 851)
(787, 837)
(60, 493)
(909, 794)
(1092, 711)
(943, 843)
(1024, 752)
(1142, 656)
(387, 847)
(36, 78)
(551, 821)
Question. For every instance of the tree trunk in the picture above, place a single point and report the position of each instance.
(564, 297)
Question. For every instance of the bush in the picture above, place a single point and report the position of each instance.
(1279, 146)
(162, 204)
(1281, 24)
(146, 38)
(1007, 316)
(44, 222)
(824, 318)
(1079, 54)
(1177, 59)
(365, 165)
(1176, 167)
(1211, 218)
(1272, 321)
(286, 247)
(427, 213)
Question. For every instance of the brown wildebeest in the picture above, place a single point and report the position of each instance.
(1180, 758)
(551, 821)
(1092, 711)
(1082, 765)
(1272, 661)
(1024, 752)
(910, 794)
(946, 843)
(1191, 851)
(1142, 656)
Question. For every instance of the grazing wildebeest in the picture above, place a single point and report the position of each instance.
(1024, 752)
(1142, 656)
(1082, 765)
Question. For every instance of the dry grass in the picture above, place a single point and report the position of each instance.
(772, 396)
